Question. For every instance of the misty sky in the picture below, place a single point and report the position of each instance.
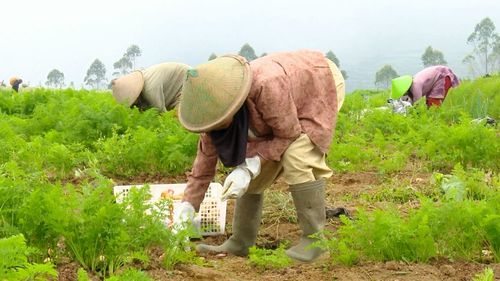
(38, 36)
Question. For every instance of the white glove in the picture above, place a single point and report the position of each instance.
(400, 105)
(185, 216)
(237, 182)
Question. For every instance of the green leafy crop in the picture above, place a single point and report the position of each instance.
(14, 264)
(269, 259)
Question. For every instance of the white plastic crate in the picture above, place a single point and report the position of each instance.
(212, 214)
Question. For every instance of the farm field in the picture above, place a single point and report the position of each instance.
(422, 190)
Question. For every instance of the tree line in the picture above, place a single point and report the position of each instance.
(249, 54)
(96, 74)
(485, 54)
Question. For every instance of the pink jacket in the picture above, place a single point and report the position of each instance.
(430, 82)
(291, 93)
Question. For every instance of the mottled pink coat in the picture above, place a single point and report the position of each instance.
(430, 82)
(291, 93)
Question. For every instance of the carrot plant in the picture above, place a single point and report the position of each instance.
(15, 265)
(159, 151)
(125, 275)
(474, 184)
(452, 229)
(130, 274)
(479, 98)
(265, 259)
(436, 139)
(457, 219)
(61, 147)
(486, 275)
(87, 225)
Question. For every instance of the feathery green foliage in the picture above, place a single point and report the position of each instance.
(60, 148)
(269, 259)
(486, 275)
(14, 264)
(369, 137)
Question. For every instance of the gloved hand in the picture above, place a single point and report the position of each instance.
(400, 106)
(185, 216)
(237, 182)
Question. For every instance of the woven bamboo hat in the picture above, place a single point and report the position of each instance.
(126, 89)
(213, 92)
(13, 80)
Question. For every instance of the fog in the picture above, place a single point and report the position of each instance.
(38, 36)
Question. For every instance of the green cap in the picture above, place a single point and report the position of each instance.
(400, 86)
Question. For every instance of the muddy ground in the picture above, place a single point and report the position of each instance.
(343, 190)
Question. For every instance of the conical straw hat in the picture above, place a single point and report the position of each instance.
(400, 86)
(126, 89)
(13, 80)
(213, 92)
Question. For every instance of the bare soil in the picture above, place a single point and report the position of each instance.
(343, 190)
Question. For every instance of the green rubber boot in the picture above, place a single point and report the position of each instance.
(246, 222)
(309, 200)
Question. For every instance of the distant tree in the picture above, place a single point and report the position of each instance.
(212, 56)
(123, 65)
(344, 74)
(331, 56)
(472, 65)
(55, 78)
(95, 74)
(385, 75)
(71, 85)
(263, 54)
(248, 52)
(484, 39)
(495, 57)
(433, 57)
(132, 53)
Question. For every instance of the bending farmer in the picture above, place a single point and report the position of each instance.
(269, 118)
(158, 86)
(15, 82)
(433, 83)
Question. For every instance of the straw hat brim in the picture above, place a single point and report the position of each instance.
(213, 92)
(127, 89)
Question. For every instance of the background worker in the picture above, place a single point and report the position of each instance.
(15, 82)
(269, 118)
(433, 83)
(157, 86)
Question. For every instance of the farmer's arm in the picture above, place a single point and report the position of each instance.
(202, 173)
